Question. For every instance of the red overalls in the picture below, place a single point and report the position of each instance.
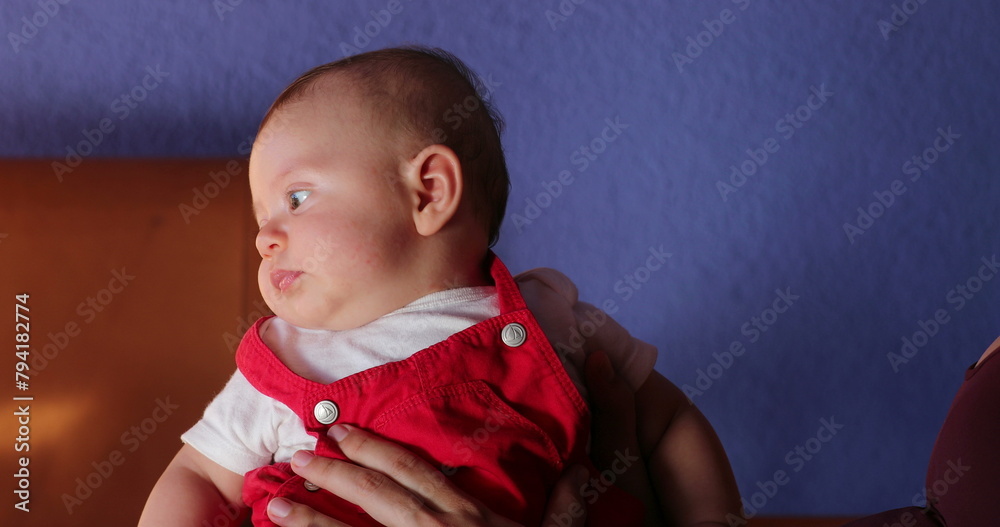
(492, 406)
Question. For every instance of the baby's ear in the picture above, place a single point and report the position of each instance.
(434, 183)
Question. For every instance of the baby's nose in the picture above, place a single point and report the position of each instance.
(270, 240)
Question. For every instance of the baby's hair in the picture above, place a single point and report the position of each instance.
(428, 96)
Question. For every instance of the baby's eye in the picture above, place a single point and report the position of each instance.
(296, 198)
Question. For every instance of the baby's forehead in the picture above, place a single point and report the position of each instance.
(381, 112)
(329, 95)
(333, 106)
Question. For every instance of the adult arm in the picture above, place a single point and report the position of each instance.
(686, 479)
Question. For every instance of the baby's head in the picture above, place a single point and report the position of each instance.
(376, 179)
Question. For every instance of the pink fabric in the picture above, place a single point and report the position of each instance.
(962, 476)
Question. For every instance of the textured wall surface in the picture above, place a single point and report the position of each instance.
(739, 136)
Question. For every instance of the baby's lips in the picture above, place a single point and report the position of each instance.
(282, 280)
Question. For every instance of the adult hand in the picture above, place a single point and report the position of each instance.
(398, 488)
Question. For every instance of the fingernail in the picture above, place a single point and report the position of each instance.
(337, 432)
(302, 458)
(279, 508)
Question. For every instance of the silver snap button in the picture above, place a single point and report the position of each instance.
(514, 334)
(310, 486)
(326, 412)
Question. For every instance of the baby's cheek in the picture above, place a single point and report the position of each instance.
(264, 284)
(260, 279)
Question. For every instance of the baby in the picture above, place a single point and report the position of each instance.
(379, 185)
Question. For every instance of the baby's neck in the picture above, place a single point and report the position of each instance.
(421, 277)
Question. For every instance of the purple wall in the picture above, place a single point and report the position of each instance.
(832, 107)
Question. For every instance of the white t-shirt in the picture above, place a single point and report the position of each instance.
(243, 429)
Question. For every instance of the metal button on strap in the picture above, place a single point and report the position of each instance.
(310, 486)
(513, 334)
(326, 412)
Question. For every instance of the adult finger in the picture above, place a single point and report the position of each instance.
(372, 489)
(402, 465)
(384, 499)
(566, 507)
(290, 514)
(395, 486)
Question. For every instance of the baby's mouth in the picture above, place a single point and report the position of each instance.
(282, 280)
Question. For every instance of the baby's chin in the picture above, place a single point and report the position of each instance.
(303, 315)
(295, 317)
